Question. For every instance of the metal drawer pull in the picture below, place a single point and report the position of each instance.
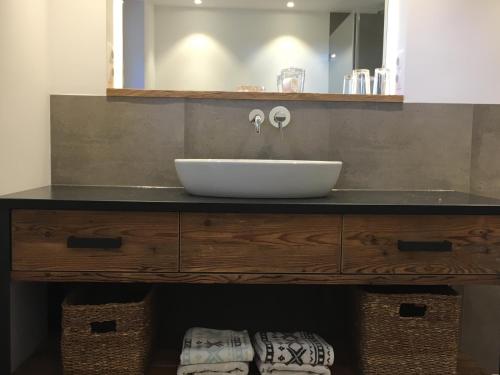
(93, 243)
(437, 246)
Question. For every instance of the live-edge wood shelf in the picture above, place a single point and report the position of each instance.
(274, 96)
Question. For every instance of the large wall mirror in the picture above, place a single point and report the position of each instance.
(246, 45)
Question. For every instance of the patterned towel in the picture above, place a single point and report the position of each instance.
(291, 369)
(228, 368)
(210, 346)
(290, 353)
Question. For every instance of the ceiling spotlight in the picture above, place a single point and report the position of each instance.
(290, 4)
(198, 2)
(332, 56)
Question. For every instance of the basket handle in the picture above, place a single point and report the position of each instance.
(75, 242)
(412, 310)
(103, 327)
(434, 246)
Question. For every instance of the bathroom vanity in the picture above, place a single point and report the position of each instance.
(111, 234)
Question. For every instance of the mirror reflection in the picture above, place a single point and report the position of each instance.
(259, 45)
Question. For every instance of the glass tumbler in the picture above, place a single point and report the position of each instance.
(381, 84)
(292, 80)
(361, 81)
(348, 82)
(279, 82)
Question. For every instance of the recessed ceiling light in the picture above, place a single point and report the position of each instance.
(290, 4)
(198, 2)
(332, 56)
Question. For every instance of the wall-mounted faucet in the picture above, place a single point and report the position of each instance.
(257, 118)
(279, 117)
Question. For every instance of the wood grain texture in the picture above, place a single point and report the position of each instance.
(150, 241)
(230, 95)
(370, 245)
(260, 243)
(249, 278)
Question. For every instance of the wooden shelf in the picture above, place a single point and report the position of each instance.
(47, 362)
(251, 278)
(229, 95)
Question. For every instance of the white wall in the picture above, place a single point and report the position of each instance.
(207, 49)
(149, 45)
(24, 141)
(133, 44)
(452, 50)
(24, 100)
(77, 46)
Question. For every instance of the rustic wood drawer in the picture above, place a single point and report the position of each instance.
(94, 241)
(428, 245)
(260, 243)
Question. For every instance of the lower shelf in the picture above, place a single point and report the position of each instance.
(48, 362)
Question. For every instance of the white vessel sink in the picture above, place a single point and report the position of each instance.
(258, 178)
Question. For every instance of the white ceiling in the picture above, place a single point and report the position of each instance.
(300, 5)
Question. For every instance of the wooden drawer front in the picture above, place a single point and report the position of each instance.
(421, 244)
(260, 243)
(149, 241)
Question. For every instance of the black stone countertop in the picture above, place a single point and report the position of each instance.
(176, 199)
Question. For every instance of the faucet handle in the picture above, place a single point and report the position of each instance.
(257, 118)
(279, 117)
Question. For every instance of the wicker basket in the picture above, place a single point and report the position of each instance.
(409, 331)
(107, 330)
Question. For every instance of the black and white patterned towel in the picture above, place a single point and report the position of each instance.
(297, 348)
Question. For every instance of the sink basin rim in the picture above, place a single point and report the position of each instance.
(259, 161)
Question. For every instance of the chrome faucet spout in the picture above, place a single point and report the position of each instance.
(257, 122)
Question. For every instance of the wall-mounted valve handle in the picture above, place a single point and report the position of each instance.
(257, 118)
(279, 117)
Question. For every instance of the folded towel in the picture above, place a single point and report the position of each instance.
(291, 369)
(231, 368)
(298, 348)
(210, 346)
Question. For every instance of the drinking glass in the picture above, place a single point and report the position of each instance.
(348, 82)
(279, 82)
(381, 84)
(291, 80)
(361, 81)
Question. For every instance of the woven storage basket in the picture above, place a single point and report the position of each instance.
(107, 330)
(408, 330)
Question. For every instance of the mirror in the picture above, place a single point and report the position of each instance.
(243, 45)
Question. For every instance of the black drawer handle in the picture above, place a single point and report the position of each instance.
(93, 243)
(436, 246)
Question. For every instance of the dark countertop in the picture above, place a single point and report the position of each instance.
(176, 199)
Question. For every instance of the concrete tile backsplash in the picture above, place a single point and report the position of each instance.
(485, 164)
(220, 129)
(97, 141)
(133, 141)
(422, 146)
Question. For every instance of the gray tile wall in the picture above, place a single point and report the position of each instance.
(481, 304)
(101, 141)
(485, 162)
